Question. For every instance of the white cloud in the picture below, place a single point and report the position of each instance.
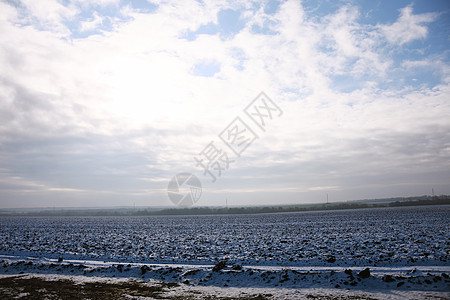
(91, 24)
(436, 63)
(98, 2)
(49, 14)
(408, 27)
(125, 105)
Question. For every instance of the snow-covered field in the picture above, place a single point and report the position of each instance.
(372, 253)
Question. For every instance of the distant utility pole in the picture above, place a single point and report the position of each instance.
(327, 198)
(226, 203)
(432, 192)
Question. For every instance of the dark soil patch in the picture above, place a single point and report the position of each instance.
(38, 288)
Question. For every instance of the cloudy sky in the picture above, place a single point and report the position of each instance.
(102, 104)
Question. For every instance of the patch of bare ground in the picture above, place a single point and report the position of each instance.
(39, 288)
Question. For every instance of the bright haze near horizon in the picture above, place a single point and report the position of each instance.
(103, 102)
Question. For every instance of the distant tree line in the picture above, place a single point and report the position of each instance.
(391, 202)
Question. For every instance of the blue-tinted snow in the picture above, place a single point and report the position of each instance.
(376, 237)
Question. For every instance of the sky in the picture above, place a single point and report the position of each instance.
(103, 102)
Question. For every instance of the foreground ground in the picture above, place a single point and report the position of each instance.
(389, 253)
(49, 279)
(60, 287)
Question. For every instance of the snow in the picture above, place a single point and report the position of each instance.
(22, 295)
(249, 279)
(377, 237)
(405, 250)
(196, 291)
